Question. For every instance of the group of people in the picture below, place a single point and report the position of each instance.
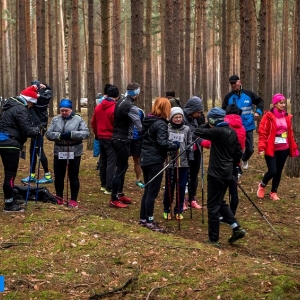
(26, 115)
(170, 133)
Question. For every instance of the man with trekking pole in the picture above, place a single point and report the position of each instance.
(225, 151)
(39, 116)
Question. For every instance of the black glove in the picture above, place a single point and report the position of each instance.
(177, 144)
(42, 129)
(65, 135)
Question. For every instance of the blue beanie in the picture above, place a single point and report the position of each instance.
(65, 103)
(216, 115)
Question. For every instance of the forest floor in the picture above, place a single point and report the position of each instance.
(98, 252)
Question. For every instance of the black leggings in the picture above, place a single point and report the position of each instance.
(151, 190)
(122, 149)
(275, 166)
(60, 168)
(194, 171)
(10, 160)
(35, 145)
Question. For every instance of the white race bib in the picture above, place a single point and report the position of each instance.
(65, 155)
(280, 140)
(179, 137)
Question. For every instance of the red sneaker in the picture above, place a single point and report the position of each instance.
(73, 204)
(125, 200)
(117, 204)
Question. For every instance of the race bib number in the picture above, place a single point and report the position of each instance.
(280, 140)
(65, 155)
(179, 137)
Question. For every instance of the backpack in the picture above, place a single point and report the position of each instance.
(20, 192)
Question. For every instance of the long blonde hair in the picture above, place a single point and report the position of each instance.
(161, 108)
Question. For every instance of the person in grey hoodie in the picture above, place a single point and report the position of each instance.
(67, 130)
(193, 110)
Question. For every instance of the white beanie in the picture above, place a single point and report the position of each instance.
(176, 111)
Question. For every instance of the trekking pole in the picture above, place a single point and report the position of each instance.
(173, 160)
(178, 192)
(30, 171)
(256, 207)
(169, 174)
(202, 190)
(67, 171)
(39, 164)
(190, 193)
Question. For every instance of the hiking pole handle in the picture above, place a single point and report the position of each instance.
(173, 160)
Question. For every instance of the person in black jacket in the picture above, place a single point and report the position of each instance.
(15, 127)
(225, 152)
(126, 116)
(155, 145)
(39, 116)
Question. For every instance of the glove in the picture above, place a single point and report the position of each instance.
(206, 144)
(65, 135)
(176, 144)
(42, 129)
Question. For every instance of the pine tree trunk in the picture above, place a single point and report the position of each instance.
(117, 70)
(148, 79)
(90, 70)
(292, 168)
(137, 57)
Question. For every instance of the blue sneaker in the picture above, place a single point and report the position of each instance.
(140, 184)
(28, 179)
(45, 180)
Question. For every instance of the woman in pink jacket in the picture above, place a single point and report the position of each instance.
(276, 142)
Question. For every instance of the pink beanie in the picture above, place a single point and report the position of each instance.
(276, 98)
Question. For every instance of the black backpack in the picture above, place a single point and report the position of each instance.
(43, 194)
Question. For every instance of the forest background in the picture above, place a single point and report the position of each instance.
(191, 47)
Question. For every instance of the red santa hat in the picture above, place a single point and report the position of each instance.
(30, 94)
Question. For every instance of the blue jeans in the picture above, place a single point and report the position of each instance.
(249, 148)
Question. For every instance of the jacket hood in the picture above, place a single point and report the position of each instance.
(13, 101)
(194, 104)
(107, 103)
(234, 121)
(150, 119)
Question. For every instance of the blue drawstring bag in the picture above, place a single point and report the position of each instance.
(96, 148)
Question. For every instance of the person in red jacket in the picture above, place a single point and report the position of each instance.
(103, 124)
(275, 142)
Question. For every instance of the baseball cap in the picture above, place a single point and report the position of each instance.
(234, 78)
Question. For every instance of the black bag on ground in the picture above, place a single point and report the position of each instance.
(20, 192)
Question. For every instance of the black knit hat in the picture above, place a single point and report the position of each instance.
(233, 109)
(170, 93)
(113, 92)
(107, 86)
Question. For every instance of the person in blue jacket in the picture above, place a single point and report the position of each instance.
(246, 100)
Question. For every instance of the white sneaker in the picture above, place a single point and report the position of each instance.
(245, 164)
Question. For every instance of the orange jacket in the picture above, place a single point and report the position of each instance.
(267, 134)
